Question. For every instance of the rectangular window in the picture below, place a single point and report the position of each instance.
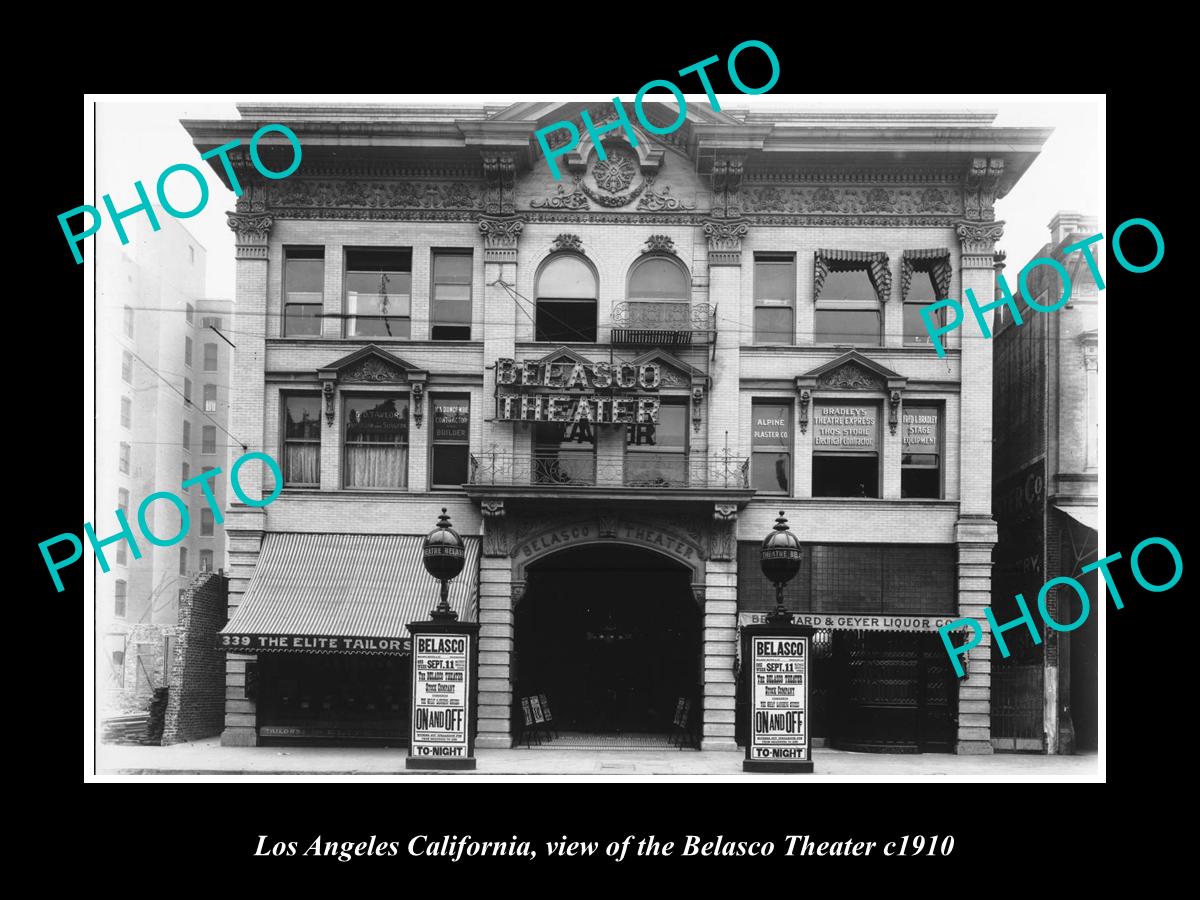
(847, 311)
(379, 293)
(128, 321)
(206, 560)
(845, 449)
(376, 441)
(657, 455)
(451, 437)
(563, 453)
(450, 315)
(120, 598)
(187, 391)
(189, 313)
(921, 452)
(122, 554)
(211, 322)
(206, 523)
(771, 446)
(123, 459)
(303, 290)
(208, 439)
(183, 560)
(210, 398)
(302, 440)
(186, 472)
(187, 435)
(127, 367)
(210, 357)
(126, 412)
(774, 298)
(921, 293)
(123, 502)
(187, 351)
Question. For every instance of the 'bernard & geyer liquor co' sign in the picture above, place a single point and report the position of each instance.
(601, 393)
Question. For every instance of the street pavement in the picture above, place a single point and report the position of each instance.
(208, 757)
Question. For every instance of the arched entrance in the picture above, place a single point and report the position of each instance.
(611, 634)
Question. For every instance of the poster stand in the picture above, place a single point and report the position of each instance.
(775, 661)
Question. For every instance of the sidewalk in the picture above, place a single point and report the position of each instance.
(208, 757)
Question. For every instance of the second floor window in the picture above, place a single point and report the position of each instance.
(206, 523)
(303, 290)
(210, 357)
(376, 448)
(126, 412)
(921, 456)
(451, 438)
(656, 455)
(566, 301)
(450, 315)
(189, 312)
(659, 294)
(845, 449)
(921, 293)
(127, 367)
(210, 398)
(771, 446)
(208, 439)
(302, 440)
(123, 459)
(379, 293)
(774, 299)
(119, 598)
(847, 310)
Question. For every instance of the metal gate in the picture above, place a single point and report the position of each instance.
(1017, 705)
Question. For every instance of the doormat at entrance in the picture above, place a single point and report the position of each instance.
(630, 741)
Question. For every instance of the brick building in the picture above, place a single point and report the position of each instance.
(1045, 482)
(613, 382)
(162, 405)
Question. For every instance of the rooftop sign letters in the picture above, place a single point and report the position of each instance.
(526, 391)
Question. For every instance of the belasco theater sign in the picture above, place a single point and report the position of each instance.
(601, 393)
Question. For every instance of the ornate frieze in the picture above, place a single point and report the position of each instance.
(373, 370)
(876, 200)
(726, 175)
(653, 199)
(308, 198)
(500, 237)
(561, 199)
(851, 377)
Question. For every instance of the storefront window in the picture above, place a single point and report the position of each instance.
(921, 459)
(451, 440)
(376, 448)
(302, 440)
(657, 454)
(845, 450)
(379, 293)
(771, 443)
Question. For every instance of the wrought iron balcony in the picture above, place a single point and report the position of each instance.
(662, 322)
(635, 469)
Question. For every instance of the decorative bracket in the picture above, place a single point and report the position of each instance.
(725, 240)
(660, 243)
(328, 392)
(893, 410)
(568, 242)
(517, 590)
(500, 237)
(721, 542)
(252, 230)
(980, 186)
(417, 380)
(495, 529)
(699, 592)
(697, 405)
(805, 396)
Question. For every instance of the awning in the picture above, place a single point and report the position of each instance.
(343, 593)
(1084, 515)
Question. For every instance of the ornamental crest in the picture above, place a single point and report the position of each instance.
(614, 174)
(616, 180)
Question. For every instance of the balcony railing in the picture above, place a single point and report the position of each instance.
(585, 469)
(660, 322)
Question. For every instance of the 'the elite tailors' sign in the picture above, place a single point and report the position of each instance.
(441, 678)
(529, 396)
(779, 698)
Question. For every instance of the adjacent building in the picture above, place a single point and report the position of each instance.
(613, 383)
(162, 416)
(1045, 484)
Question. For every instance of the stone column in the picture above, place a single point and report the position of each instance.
(496, 603)
(245, 525)
(975, 531)
(720, 631)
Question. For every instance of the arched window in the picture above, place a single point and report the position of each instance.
(566, 301)
(659, 291)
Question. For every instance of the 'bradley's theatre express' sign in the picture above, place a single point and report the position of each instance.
(779, 698)
(602, 393)
(442, 673)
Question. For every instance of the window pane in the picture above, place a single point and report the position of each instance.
(452, 268)
(771, 472)
(378, 260)
(853, 285)
(771, 442)
(773, 325)
(304, 276)
(774, 280)
(669, 435)
(915, 331)
(453, 311)
(302, 417)
(206, 522)
(920, 483)
(659, 278)
(210, 357)
(206, 560)
(187, 390)
(566, 321)
(845, 476)
(187, 351)
(301, 320)
(848, 326)
(188, 312)
(209, 439)
(450, 464)
(451, 419)
(921, 288)
(126, 412)
(444, 292)
(376, 442)
(566, 277)
(183, 560)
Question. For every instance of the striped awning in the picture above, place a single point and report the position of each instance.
(343, 593)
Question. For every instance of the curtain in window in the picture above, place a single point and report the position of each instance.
(302, 464)
(382, 466)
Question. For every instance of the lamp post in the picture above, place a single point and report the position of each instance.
(444, 685)
(775, 660)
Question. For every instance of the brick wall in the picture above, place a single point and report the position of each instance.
(196, 705)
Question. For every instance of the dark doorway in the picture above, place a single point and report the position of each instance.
(611, 635)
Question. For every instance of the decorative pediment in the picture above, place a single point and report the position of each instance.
(851, 371)
(373, 365)
(565, 355)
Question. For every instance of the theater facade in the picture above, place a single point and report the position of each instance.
(613, 383)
